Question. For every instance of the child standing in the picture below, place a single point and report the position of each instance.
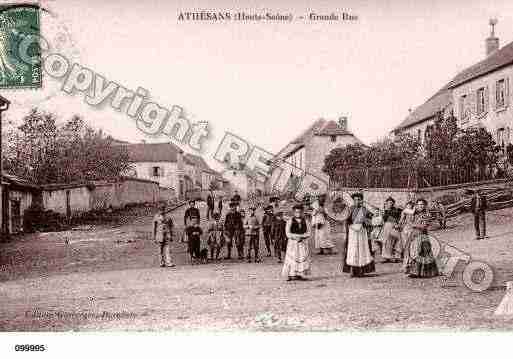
(215, 236)
(194, 233)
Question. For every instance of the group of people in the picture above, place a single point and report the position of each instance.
(398, 235)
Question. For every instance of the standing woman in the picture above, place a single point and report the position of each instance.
(320, 228)
(297, 257)
(391, 217)
(406, 223)
(422, 263)
(358, 259)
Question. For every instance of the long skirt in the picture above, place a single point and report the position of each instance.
(358, 258)
(422, 263)
(322, 239)
(297, 259)
(391, 242)
(406, 242)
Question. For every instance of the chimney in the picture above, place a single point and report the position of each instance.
(492, 42)
(342, 122)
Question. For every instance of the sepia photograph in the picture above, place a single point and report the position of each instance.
(263, 174)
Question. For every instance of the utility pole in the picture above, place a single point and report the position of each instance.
(4, 106)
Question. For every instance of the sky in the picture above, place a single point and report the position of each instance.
(264, 81)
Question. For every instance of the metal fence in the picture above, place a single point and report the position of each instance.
(404, 177)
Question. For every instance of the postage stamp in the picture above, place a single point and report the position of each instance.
(18, 22)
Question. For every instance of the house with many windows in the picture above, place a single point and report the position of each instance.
(483, 97)
(477, 96)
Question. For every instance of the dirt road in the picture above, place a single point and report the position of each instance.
(106, 278)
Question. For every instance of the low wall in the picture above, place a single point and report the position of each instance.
(377, 196)
(56, 200)
(126, 191)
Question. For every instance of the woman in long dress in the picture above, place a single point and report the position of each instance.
(422, 263)
(297, 257)
(391, 246)
(406, 223)
(320, 227)
(358, 258)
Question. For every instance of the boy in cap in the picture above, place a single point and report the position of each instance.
(252, 227)
(267, 227)
(162, 234)
(215, 236)
(194, 233)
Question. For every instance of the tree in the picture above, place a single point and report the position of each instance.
(474, 147)
(45, 152)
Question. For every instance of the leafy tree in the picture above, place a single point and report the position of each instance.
(45, 152)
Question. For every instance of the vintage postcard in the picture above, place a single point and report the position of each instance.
(274, 167)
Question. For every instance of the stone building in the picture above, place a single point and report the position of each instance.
(159, 162)
(479, 95)
(308, 151)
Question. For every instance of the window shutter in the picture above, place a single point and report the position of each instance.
(150, 171)
(486, 99)
(493, 99)
(506, 92)
(473, 103)
(162, 171)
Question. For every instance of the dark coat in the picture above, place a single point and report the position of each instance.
(191, 213)
(483, 206)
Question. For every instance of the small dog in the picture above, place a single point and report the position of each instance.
(203, 256)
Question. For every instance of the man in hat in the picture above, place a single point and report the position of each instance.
(267, 227)
(252, 227)
(210, 204)
(478, 207)
(358, 259)
(163, 235)
(279, 236)
(233, 227)
(236, 198)
(191, 213)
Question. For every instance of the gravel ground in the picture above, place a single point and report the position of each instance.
(107, 278)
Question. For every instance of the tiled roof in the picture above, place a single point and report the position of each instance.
(300, 140)
(152, 152)
(17, 181)
(331, 128)
(439, 101)
(199, 162)
(498, 59)
(320, 127)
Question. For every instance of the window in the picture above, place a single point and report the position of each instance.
(156, 171)
(333, 138)
(419, 134)
(500, 93)
(481, 101)
(464, 110)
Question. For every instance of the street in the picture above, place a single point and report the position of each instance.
(108, 278)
